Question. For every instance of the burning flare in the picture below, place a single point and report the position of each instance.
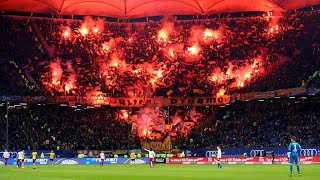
(194, 50)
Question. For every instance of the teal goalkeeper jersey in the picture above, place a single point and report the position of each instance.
(294, 148)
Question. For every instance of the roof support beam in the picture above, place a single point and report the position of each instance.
(200, 8)
(283, 2)
(61, 6)
(279, 5)
(125, 7)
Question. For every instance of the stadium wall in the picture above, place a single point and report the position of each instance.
(242, 160)
(65, 161)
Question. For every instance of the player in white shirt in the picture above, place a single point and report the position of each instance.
(19, 159)
(102, 158)
(6, 157)
(151, 157)
(219, 154)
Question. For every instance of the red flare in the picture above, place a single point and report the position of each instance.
(84, 31)
(162, 35)
(95, 30)
(66, 34)
(221, 92)
(194, 50)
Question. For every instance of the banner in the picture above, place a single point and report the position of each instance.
(99, 98)
(12, 99)
(72, 161)
(251, 152)
(191, 160)
(23, 99)
(136, 102)
(167, 102)
(226, 152)
(160, 160)
(281, 92)
(94, 153)
(197, 101)
(264, 95)
(272, 94)
(296, 91)
(34, 99)
(242, 160)
(158, 146)
(268, 160)
(27, 161)
(247, 96)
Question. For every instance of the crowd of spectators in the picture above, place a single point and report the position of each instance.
(18, 42)
(244, 124)
(17, 46)
(47, 127)
(290, 45)
(262, 124)
(11, 76)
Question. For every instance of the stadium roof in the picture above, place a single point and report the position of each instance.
(145, 8)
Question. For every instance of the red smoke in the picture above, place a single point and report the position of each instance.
(164, 33)
(56, 71)
(240, 74)
(90, 25)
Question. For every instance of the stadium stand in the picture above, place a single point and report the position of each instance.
(289, 50)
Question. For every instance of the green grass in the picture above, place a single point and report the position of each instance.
(161, 172)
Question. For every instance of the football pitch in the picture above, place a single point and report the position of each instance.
(160, 172)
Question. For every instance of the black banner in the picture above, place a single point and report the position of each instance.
(160, 160)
